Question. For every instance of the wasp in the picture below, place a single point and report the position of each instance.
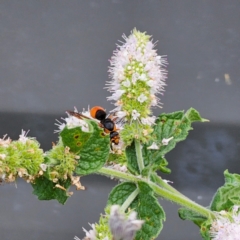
(107, 123)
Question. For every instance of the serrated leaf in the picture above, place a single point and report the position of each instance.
(187, 214)
(227, 195)
(204, 230)
(45, 189)
(153, 161)
(145, 204)
(95, 152)
(169, 126)
(149, 210)
(176, 125)
(194, 116)
(75, 138)
(120, 193)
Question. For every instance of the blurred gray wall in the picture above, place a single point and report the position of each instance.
(54, 56)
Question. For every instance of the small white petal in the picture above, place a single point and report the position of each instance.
(154, 146)
(143, 77)
(135, 114)
(43, 166)
(135, 77)
(2, 156)
(121, 114)
(23, 136)
(116, 95)
(148, 120)
(72, 122)
(142, 98)
(165, 141)
(126, 83)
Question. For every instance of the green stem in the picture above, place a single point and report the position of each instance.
(159, 181)
(174, 197)
(129, 200)
(139, 155)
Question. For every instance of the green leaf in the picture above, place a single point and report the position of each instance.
(194, 116)
(45, 189)
(174, 126)
(120, 193)
(145, 204)
(75, 138)
(204, 230)
(227, 195)
(95, 152)
(92, 147)
(187, 214)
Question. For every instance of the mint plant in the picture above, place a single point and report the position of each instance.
(137, 77)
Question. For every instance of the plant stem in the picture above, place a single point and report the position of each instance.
(139, 155)
(129, 200)
(169, 195)
(159, 181)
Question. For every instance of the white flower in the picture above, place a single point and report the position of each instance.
(126, 83)
(3, 156)
(5, 142)
(143, 77)
(154, 146)
(135, 114)
(121, 114)
(23, 136)
(43, 166)
(60, 125)
(165, 141)
(142, 98)
(135, 77)
(116, 95)
(86, 112)
(91, 234)
(226, 226)
(72, 122)
(122, 227)
(148, 120)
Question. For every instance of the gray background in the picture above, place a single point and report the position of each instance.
(54, 56)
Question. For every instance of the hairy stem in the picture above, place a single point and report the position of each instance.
(159, 181)
(129, 200)
(139, 155)
(169, 195)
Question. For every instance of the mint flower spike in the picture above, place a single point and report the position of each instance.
(123, 227)
(226, 225)
(137, 76)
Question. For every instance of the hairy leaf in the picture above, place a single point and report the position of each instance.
(92, 147)
(145, 204)
(45, 189)
(95, 153)
(187, 214)
(169, 129)
(120, 193)
(75, 138)
(227, 195)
